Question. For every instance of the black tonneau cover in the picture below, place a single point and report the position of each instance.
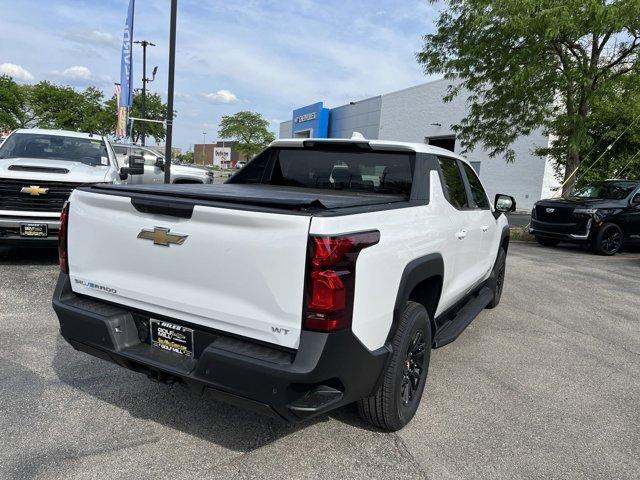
(257, 194)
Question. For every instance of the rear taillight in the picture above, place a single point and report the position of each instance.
(330, 282)
(63, 254)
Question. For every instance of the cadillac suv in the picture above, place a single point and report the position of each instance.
(603, 215)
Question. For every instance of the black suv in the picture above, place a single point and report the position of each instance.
(603, 215)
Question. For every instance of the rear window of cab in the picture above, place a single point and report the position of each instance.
(346, 169)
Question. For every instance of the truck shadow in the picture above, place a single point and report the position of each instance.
(171, 407)
(28, 256)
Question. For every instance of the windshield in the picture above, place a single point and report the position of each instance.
(53, 147)
(332, 169)
(604, 191)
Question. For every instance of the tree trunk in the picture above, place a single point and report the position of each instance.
(576, 134)
(573, 162)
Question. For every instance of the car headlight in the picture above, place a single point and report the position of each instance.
(533, 214)
(586, 211)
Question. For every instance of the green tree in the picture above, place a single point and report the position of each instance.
(13, 104)
(248, 129)
(62, 107)
(155, 110)
(614, 129)
(47, 105)
(186, 157)
(531, 64)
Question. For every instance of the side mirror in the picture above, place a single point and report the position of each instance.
(160, 163)
(505, 203)
(136, 167)
(636, 199)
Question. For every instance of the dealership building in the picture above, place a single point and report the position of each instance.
(419, 115)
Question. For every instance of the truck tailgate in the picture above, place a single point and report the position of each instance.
(232, 270)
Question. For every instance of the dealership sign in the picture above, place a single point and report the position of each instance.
(307, 117)
(221, 156)
(311, 121)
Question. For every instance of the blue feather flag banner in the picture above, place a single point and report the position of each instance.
(126, 64)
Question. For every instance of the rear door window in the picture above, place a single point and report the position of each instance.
(453, 184)
(478, 196)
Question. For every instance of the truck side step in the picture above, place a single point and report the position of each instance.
(449, 331)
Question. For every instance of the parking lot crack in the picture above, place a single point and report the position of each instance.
(404, 452)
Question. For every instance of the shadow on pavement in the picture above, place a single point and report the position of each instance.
(628, 248)
(172, 407)
(28, 256)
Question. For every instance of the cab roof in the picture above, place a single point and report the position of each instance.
(374, 144)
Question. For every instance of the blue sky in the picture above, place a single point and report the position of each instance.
(268, 56)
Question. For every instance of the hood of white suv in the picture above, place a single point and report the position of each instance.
(52, 170)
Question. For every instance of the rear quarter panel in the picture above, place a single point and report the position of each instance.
(405, 234)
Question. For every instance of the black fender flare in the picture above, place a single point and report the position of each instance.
(416, 271)
(504, 243)
(506, 235)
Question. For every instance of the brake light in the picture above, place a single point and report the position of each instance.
(330, 282)
(63, 254)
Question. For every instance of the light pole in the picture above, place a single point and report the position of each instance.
(204, 136)
(170, 89)
(145, 80)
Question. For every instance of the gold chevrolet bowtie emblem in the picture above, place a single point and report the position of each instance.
(161, 236)
(34, 190)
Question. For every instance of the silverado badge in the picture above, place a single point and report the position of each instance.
(161, 236)
(551, 210)
(34, 190)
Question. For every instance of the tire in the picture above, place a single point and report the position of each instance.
(547, 242)
(608, 240)
(397, 399)
(497, 278)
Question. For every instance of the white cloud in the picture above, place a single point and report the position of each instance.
(222, 96)
(16, 71)
(77, 73)
(94, 37)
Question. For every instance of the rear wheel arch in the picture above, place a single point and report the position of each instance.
(421, 282)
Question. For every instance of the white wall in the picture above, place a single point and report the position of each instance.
(286, 129)
(408, 115)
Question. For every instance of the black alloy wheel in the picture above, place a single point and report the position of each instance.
(498, 278)
(397, 398)
(414, 368)
(609, 240)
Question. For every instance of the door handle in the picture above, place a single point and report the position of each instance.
(485, 228)
(462, 234)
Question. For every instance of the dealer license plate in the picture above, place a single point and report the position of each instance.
(34, 230)
(172, 338)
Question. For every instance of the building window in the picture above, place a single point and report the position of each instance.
(476, 167)
(448, 142)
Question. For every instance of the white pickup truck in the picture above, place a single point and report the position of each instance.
(38, 170)
(321, 274)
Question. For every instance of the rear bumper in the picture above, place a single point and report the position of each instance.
(326, 372)
(10, 231)
(570, 232)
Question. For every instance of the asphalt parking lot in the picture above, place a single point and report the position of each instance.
(545, 386)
